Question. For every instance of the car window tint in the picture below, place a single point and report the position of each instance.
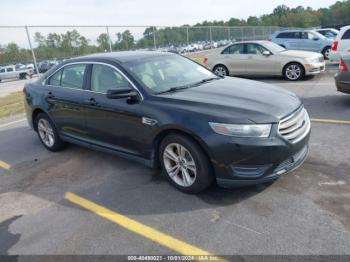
(105, 77)
(236, 49)
(2, 70)
(289, 35)
(307, 35)
(255, 49)
(346, 35)
(73, 76)
(10, 69)
(55, 80)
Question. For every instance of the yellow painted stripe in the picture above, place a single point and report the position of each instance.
(137, 227)
(330, 121)
(4, 165)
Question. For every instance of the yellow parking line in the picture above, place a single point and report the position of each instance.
(330, 121)
(138, 228)
(4, 165)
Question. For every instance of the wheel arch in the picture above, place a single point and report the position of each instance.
(173, 130)
(35, 113)
(293, 62)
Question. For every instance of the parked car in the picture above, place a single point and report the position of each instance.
(254, 58)
(328, 32)
(341, 44)
(166, 110)
(11, 72)
(46, 65)
(342, 78)
(307, 40)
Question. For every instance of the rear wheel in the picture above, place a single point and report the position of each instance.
(184, 163)
(326, 52)
(221, 70)
(293, 71)
(47, 133)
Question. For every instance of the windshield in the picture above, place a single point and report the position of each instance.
(274, 48)
(162, 73)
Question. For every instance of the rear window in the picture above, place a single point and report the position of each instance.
(289, 35)
(346, 35)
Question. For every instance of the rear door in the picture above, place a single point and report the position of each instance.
(64, 94)
(234, 58)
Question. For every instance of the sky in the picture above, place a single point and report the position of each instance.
(131, 12)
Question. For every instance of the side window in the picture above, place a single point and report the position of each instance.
(104, 77)
(55, 80)
(254, 49)
(73, 76)
(236, 49)
(346, 35)
(2, 70)
(307, 35)
(289, 35)
(9, 69)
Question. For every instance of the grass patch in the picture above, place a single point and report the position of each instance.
(11, 104)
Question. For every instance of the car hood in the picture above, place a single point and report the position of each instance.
(299, 54)
(238, 100)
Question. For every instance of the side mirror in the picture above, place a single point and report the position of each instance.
(315, 38)
(118, 93)
(266, 53)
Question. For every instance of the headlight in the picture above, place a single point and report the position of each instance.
(242, 130)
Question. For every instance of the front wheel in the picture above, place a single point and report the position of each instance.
(185, 164)
(293, 71)
(221, 70)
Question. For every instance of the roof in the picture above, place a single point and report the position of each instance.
(125, 56)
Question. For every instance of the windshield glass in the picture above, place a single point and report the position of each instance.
(274, 48)
(162, 73)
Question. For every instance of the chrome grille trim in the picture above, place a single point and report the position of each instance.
(295, 127)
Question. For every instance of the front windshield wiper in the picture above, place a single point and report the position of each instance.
(173, 89)
(176, 88)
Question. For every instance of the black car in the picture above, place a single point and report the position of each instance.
(342, 78)
(167, 111)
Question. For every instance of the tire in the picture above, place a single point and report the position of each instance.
(221, 70)
(293, 71)
(47, 133)
(192, 162)
(325, 52)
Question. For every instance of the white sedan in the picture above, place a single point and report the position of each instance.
(264, 58)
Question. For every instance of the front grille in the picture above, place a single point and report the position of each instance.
(295, 127)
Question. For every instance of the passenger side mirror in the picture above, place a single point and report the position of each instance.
(266, 53)
(118, 93)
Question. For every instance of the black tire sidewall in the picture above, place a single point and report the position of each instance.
(58, 144)
(204, 177)
(324, 52)
(301, 75)
(224, 67)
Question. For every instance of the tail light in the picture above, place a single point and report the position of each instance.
(343, 66)
(205, 61)
(335, 46)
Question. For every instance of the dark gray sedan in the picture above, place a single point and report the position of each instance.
(342, 78)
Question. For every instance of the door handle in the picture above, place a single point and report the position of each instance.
(91, 102)
(50, 95)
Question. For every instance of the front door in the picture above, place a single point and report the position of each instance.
(113, 123)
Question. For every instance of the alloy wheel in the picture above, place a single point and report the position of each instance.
(220, 70)
(179, 164)
(46, 133)
(293, 72)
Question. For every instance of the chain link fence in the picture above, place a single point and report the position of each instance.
(42, 46)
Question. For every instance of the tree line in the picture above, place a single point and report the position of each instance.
(72, 43)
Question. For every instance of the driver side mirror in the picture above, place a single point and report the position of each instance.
(118, 93)
(315, 38)
(266, 53)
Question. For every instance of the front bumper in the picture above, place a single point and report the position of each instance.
(247, 161)
(314, 68)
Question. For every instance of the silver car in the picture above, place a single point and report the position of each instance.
(264, 58)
